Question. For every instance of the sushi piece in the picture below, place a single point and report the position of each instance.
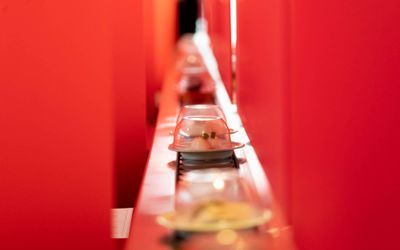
(200, 144)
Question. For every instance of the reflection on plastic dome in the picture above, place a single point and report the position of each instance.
(186, 44)
(196, 87)
(202, 133)
(188, 54)
(214, 200)
(211, 184)
(200, 110)
(191, 62)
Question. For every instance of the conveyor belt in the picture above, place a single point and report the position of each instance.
(183, 165)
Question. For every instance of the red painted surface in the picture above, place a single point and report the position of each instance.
(262, 71)
(329, 114)
(129, 98)
(160, 37)
(217, 14)
(56, 125)
(346, 92)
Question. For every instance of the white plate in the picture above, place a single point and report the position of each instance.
(218, 163)
(171, 220)
(206, 154)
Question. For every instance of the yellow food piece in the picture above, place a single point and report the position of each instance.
(218, 211)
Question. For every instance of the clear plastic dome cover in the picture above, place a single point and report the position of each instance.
(217, 198)
(186, 44)
(202, 133)
(188, 57)
(190, 63)
(200, 110)
(211, 184)
(195, 79)
(196, 87)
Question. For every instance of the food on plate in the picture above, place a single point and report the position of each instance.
(216, 211)
(200, 144)
(217, 143)
(202, 133)
(198, 125)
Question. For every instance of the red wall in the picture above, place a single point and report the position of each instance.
(262, 73)
(346, 92)
(217, 14)
(160, 36)
(318, 91)
(128, 65)
(56, 125)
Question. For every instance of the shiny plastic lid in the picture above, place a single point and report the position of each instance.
(202, 133)
(200, 110)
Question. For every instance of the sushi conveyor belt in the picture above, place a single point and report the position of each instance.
(183, 166)
(163, 174)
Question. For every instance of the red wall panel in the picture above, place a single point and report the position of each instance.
(56, 125)
(217, 14)
(128, 64)
(262, 73)
(346, 92)
(160, 37)
(318, 90)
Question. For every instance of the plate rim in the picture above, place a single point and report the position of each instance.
(164, 221)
